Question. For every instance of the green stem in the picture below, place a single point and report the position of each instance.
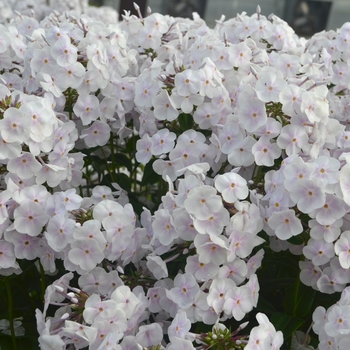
(10, 306)
(107, 166)
(42, 281)
(113, 153)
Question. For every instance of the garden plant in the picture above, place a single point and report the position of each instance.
(167, 185)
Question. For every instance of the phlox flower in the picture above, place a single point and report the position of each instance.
(236, 270)
(179, 327)
(9, 150)
(104, 328)
(242, 243)
(333, 279)
(201, 271)
(90, 282)
(64, 52)
(7, 255)
(70, 76)
(145, 89)
(271, 128)
(97, 134)
(265, 152)
(238, 302)
(222, 58)
(309, 195)
(252, 115)
(208, 85)
(207, 115)
(26, 247)
(42, 120)
(157, 266)
(59, 232)
(85, 253)
(143, 149)
(178, 343)
(90, 230)
(91, 82)
(70, 199)
(41, 60)
(51, 174)
(13, 126)
(30, 218)
(328, 232)
(240, 54)
(258, 340)
(95, 308)
(96, 53)
(292, 138)
(318, 251)
(149, 38)
(215, 224)
(242, 154)
(290, 97)
(338, 321)
(78, 334)
(107, 210)
(342, 249)
(164, 107)
(184, 291)
(217, 293)
(313, 106)
(202, 201)
(170, 168)
(4, 197)
(184, 224)
(163, 227)
(327, 169)
(24, 166)
(332, 210)
(295, 171)
(48, 341)
(211, 249)
(187, 82)
(255, 262)
(49, 85)
(231, 186)
(149, 335)
(119, 227)
(100, 193)
(344, 182)
(285, 224)
(186, 103)
(126, 300)
(288, 64)
(162, 142)
(5, 327)
(185, 153)
(87, 108)
(269, 85)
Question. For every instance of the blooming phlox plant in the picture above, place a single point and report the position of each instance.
(148, 166)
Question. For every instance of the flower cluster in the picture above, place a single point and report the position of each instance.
(152, 157)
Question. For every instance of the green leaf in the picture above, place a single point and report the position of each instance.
(122, 160)
(149, 175)
(297, 240)
(289, 266)
(277, 283)
(264, 306)
(286, 323)
(185, 121)
(299, 299)
(123, 181)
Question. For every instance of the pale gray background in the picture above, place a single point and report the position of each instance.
(340, 12)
